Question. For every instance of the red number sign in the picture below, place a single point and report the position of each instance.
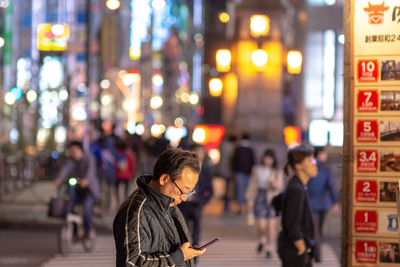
(366, 251)
(366, 221)
(367, 160)
(367, 131)
(368, 70)
(367, 101)
(366, 191)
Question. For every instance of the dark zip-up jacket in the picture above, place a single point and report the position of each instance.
(148, 232)
(243, 158)
(296, 215)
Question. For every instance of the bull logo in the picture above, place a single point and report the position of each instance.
(376, 12)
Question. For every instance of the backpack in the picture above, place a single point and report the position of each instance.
(277, 203)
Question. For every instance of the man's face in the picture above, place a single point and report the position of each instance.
(308, 166)
(186, 182)
(75, 152)
(322, 156)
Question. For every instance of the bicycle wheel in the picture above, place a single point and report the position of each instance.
(89, 242)
(65, 239)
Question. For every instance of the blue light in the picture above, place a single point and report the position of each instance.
(161, 25)
(54, 154)
(16, 92)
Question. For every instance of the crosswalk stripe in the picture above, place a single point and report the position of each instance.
(230, 251)
(234, 252)
(103, 255)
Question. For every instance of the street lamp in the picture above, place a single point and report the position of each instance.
(215, 86)
(259, 25)
(223, 58)
(112, 4)
(156, 102)
(259, 58)
(9, 98)
(224, 17)
(294, 61)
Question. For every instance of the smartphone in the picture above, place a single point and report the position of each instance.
(210, 243)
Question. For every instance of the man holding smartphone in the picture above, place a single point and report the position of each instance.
(149, 230)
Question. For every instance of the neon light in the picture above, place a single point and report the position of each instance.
(139, 24)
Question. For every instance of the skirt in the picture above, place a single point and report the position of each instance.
(261, 207)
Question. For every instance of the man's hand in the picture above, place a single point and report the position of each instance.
(57, 182)
(301, 246)
(84, 182)
(335, 208)
(189, 252)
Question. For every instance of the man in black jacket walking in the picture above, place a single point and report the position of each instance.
(149, 230)
(295, 241)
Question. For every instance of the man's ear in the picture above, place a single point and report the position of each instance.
(164, 178)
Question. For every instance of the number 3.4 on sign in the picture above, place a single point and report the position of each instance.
(367, 161)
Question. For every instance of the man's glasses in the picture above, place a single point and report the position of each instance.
(187, 194)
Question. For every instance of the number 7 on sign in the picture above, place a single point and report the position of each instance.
(367, 101)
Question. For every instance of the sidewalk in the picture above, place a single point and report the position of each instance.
(27, 209)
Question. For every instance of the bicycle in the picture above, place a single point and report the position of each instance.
(72, 230)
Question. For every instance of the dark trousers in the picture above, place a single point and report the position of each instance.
(242, 182)
(289, 258)
(84, 196)
(192, 214)
(126, 188)
(318, 219)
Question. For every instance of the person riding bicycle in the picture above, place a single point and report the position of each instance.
(81, 166)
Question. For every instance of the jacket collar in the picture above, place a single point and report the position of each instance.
(162, 201)
(296, 179)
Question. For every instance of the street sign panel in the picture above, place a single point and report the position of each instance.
(367, 101)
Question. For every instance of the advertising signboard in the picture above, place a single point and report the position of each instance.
(374, 140)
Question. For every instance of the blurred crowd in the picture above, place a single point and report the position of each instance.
(251, 184)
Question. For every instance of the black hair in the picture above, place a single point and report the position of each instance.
(173, 161)
(232, 138)
(245, 136)
(297, 155)
(120, 144)
(75, 143)
(270, 153)
(195, 146)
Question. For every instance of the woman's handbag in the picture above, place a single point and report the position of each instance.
(58, 207)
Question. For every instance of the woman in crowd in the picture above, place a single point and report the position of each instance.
(265, 183)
